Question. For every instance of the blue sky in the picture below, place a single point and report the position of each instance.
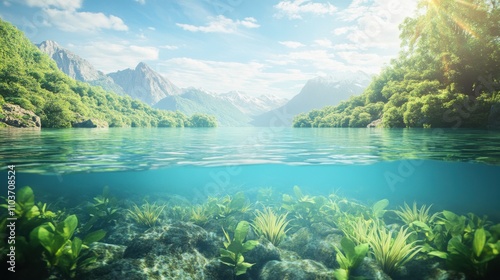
(258, 47)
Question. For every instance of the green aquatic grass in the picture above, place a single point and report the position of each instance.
(199, 215)
(356, 228)
(392, 252)
(271, 225)
(147, 214)
(414, 214)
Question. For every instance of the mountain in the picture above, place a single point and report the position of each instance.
(253, 106)
(144, 83)
(77, 67)
(33, 89)
(316, 93)
(192, 100)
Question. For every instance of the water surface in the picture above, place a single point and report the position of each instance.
(453, 169)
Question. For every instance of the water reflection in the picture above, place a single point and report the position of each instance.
(97, 150)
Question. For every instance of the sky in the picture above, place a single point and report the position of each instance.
(253, 46)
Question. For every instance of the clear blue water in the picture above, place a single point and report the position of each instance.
(457, 170)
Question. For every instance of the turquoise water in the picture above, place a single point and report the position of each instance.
(453, 169)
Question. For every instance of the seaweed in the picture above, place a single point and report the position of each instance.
(232, 253)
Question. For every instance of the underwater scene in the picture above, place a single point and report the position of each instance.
(251, 203)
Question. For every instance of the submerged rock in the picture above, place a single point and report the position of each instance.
(260, 255)
(178, 251)
(105, 254)
(369, 269)
(300, 269)
(123, 232)
(15, 116)
(428, 269)
(309, 244)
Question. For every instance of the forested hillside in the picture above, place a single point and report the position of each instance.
(31, 80)
(447, 73)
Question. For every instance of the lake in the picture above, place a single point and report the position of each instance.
(458, 170)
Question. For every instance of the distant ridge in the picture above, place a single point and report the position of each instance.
(252, 106)
(316, 93)
(77, 67)
(192, 100)
(144, 83)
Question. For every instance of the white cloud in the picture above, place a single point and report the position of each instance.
(221, 24)
(64, 15)
(343, 30)
(367, 62)
(83, 21)
(169, 47)
(110, 57)
(7, 3)
(374, 23)
(151, 28)
(294, 9)
(70, 5)
(316, 59)
(323, 43)
(254, 78)
(346, 47)
(292, 44)
(142, 2)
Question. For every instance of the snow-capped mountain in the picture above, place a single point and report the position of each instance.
(192, 100)
(251, 105)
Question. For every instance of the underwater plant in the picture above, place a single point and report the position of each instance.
(61, 251)
(356, 228)
(228, 205)
(392, 252)
(378, 208)
(147, 214)
(24, 204)
(473, 245)
(349, 257)
(267, 196)
(305, 209)
(103, 211)
(199, 215)
(414, 214)
(420, 221)
(270, 225)
(179, 213)
(232, 253)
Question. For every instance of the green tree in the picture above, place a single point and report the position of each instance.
(57, 114)
(201, 120)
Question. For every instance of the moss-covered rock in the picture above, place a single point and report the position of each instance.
(300, 269)
(177, 251)
(260, 255)
(15, 116)
(311, 244)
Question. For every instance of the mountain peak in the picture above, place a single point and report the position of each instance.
(49, 47)
(49, 43)
(142, 66)
(144, 83)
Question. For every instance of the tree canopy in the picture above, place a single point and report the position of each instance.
(446, 75)
(31, 80)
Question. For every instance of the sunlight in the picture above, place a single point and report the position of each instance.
(437, 6)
